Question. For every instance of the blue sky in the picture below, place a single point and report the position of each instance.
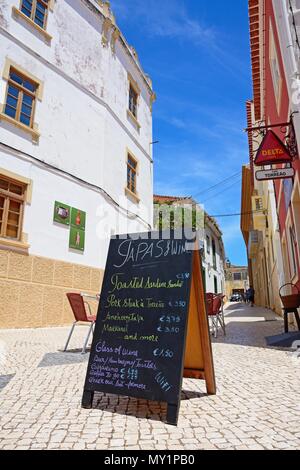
(197, 54)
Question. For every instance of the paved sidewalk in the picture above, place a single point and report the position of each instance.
(257, 405)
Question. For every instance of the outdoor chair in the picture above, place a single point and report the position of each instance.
(78, 306)
(215, 312)
(290, 303)
(222, 296)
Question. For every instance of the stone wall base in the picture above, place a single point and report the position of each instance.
(33, 290)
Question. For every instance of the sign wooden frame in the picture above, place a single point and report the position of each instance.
(195, 359)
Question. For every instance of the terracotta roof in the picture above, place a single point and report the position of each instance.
(158, 199)
(249, 105)
(238, 268)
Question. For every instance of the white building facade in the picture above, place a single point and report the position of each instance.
(75, 152)
(174, 211)
(213, 257)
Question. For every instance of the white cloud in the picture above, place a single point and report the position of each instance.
(179, 123)
(204, 170)
(168, 18)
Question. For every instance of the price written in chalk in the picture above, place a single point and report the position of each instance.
(170, 319)
(131, 374)
(166, 353)
(177, 304)
(183, 276)
(168, 329)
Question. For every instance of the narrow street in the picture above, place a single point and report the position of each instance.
(149, 182)
(256, 406)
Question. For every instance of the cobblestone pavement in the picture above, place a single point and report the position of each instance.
(257, 405)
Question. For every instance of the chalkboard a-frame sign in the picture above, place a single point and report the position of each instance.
(152, 328)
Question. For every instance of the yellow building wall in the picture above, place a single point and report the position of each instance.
(33, 290)
(260, 280)
(231, 285)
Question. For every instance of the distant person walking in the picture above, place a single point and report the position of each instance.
(250, 296)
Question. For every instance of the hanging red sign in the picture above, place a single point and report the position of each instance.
(272, 151)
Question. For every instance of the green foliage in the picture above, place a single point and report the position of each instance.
(171, 217)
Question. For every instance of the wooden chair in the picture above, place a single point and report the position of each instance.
(78, 306)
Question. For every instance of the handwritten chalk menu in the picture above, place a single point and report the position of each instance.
(139, 342)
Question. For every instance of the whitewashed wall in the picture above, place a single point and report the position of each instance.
(210, 272)
(83, 124)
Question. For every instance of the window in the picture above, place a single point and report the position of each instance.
(214, 254)
(20, 98)
(133, 100)
(258, 204)
(12, 199)
(36, 10)
(237, 276)
(204, 278)
(134, 92)
(131, 174)
(207, 244)
(216, 284)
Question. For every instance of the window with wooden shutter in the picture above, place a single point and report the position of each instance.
(12, 200)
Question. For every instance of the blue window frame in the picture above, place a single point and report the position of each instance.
(36, 10)
(20, 98)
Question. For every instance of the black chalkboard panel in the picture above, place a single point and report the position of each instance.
(139, 340)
